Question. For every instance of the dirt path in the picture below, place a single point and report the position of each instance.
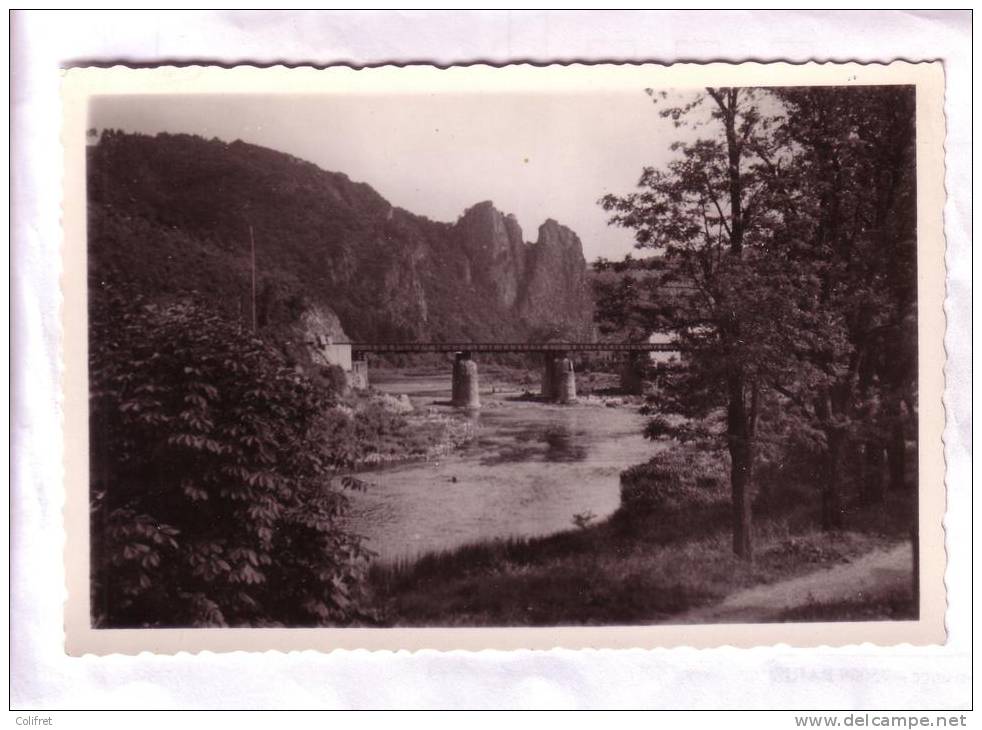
(866, 578)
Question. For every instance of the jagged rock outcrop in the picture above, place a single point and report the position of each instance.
(495, 251)
(306, 339)
(543, 284)
(556, 290)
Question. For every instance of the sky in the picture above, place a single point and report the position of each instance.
(536, 156)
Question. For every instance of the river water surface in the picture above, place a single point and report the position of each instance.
(530, 468)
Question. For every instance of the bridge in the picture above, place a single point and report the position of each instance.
(558, 378)
(562, 347)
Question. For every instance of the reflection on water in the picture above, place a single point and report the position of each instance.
(563, 445)
(530, 468)
(559, 442)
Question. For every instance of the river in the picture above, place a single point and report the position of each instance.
(530, 468)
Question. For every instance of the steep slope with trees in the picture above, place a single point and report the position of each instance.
(174, 213)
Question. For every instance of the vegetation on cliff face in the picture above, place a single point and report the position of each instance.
(173, 213)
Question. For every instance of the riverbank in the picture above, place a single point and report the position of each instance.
(642, 552)
(655, 568)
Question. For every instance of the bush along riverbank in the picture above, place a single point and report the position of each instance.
(664, 553)
(220, 472)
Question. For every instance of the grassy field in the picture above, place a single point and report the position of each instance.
(632, 570)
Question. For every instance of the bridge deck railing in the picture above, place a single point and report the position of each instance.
(408, 347)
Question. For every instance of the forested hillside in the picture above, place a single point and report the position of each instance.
(172, 213)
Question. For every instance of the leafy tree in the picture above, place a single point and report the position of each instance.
(215, 493)
(746, 305)
(792, 234)
(857, 169)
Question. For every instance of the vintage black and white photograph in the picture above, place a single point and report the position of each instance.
(644, 355)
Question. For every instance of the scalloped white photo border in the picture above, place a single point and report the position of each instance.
(81, 84)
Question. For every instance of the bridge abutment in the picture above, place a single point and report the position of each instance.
(358, 376)
(464, 389)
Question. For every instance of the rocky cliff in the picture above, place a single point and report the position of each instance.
(493, 252)
(174, 213)
(541, 284)
(557, 275)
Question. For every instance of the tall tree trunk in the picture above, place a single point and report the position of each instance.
(872, 486)
(740, 420)
(897, 448)
(740, 479)
(831, 492)
(830, 475)
(740, 443)
(727, 101)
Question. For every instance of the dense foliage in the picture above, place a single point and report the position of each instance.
(856, 157)
(676, 479)
(784, 248)
(215, 493)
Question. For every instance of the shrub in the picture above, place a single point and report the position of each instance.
(335, 379)
(215, 500)
(375, 423)
(788, 477)
(679, 477)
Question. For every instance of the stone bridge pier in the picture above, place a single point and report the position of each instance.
(558, 378)
(464, 391)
